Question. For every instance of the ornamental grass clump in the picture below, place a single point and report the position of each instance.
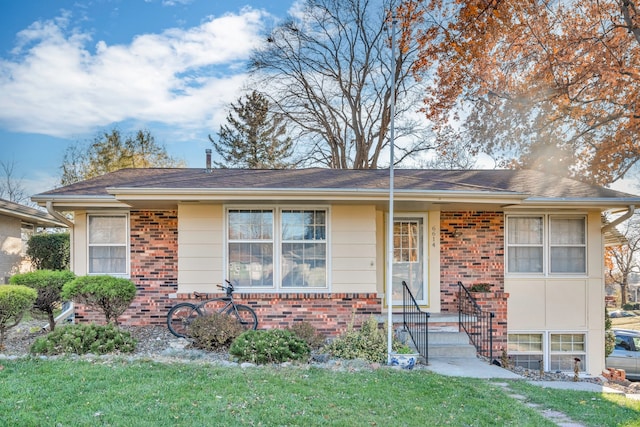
(15, 300)
(83, 339)
(269, 346)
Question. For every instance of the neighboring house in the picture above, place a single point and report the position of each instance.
(17, 224)
(309, 244)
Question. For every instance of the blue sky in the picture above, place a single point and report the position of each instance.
(70, 69)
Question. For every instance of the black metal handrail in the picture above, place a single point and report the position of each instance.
(415, 322)
(477, 323)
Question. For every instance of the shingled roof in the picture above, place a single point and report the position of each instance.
(528, 183)
(28, 214)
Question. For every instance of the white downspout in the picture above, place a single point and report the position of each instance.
(57, 215)
(630, 211)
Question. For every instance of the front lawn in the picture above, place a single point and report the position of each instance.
(36, 392)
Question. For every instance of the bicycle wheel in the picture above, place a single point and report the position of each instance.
(245, 315)
(180, 317)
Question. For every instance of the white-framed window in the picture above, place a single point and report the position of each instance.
(564, 349)
(525, 350)
(556, 351)
(277, 248)
(546, 244)
(108, 244)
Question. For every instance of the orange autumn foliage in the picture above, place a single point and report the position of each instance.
(552, 85)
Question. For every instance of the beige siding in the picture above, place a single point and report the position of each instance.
(565, 304)
(200, 247)
(79, 254)
(353, 249)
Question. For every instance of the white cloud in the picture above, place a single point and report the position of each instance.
(55, 85)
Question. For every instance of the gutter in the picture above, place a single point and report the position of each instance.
(630, 211)
(57, 215)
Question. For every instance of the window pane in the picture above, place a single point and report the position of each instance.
(566, 362)
(408, 257)
(525, 230)
(567, 231)
(304, 265)
(250, 224)
(525, 260)
(303, 225)
(251, 264)
(107, 229)
(107, 260)
(568, 260)
(525, 342)
(567, 342)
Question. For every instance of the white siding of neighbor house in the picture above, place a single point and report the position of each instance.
(565, 305)
(10, 247)
(200, 247)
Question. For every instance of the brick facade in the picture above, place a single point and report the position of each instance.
(471, 252)
(474, 256)
(154, 269)
(328, 313)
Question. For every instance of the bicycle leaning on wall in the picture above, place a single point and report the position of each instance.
(181, 315)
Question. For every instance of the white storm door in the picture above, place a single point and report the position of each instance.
(409, 258)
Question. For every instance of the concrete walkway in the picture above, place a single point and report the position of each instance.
(468, 367)
(478, 368)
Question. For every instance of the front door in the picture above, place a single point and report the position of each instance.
(409, 258)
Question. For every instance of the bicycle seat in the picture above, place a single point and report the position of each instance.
(200, 295)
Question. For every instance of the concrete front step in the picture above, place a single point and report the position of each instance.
(450, 345)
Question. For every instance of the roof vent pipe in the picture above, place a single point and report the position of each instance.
(208, 152)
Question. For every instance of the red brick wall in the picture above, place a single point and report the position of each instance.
(154, 269)
(328, 313)
(472, 251)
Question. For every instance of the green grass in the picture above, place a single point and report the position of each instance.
(36, 392)
(591, 409)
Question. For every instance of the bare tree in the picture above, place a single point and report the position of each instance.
(328, 69)
(622, 261)
(11, 187)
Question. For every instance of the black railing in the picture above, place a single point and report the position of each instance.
(415, 322)
(477, 323)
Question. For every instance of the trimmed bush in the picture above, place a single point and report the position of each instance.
(49, 251)
(48, 284)
(14, 301)
(215, 331)
(309, 334)
(84, 338)
(269, 346)
(369, 343)
(107, 294)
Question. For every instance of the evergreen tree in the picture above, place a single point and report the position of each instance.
(253, 138)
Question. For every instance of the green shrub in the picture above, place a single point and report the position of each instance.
(269, 346)
(309, 334)
(48, 284)
(14, 301)
(107, 294)
(84, 338)
(214, 331)
(49, 251)
(631, 306)
(609, 336)
(368, 343)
